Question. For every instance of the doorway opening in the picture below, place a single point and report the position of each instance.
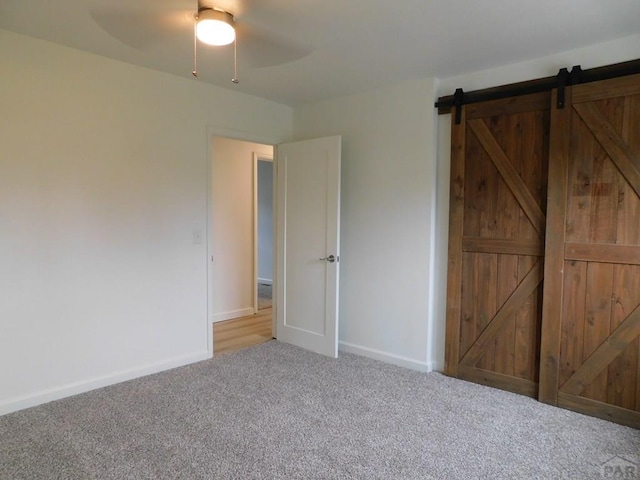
(306, 177)
(241, 244)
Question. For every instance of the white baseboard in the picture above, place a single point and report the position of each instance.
(49, 395)
(387, 357)
(265, 281)
(437, 367)
(221, 317)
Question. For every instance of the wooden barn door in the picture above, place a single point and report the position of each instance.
(496, 242)
(591, 323)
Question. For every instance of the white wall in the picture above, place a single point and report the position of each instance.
(232, 180)
(388, 207)
(265, 221)
(103, 183)
(589, 57)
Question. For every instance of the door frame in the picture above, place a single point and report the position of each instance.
(243, 136)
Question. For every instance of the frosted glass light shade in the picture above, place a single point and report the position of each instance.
(215, 27)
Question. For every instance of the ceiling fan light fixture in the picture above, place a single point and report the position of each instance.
(215, 27)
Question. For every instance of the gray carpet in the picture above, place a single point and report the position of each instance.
(278, 412)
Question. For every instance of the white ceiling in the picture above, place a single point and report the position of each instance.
(333, 47)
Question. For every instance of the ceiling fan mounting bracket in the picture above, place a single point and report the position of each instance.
(216, 14)
(211, 5)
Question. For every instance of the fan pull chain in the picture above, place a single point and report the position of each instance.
(194, 72)
(235, 61)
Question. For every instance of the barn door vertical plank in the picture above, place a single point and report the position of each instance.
(603, 193)
(604, 199)
(535, 173)
(628, 203)
(526, 334)
(560, 122)
(487, 283)
(579, 181)
(623, 371)
(510, 134)
(456, 220)
(472, 203)
(597, 325)
(574, 291)
(481, 199)
(505, 342)
(469, 305)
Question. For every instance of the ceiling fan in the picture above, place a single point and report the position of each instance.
(217, 27)
(156, 22)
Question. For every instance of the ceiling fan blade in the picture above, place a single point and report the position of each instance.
(266, 49)
(141, 28)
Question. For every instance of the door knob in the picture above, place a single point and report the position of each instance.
(330, 259)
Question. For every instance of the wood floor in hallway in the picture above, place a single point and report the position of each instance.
(238, 333)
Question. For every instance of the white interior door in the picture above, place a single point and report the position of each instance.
(308, 242)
